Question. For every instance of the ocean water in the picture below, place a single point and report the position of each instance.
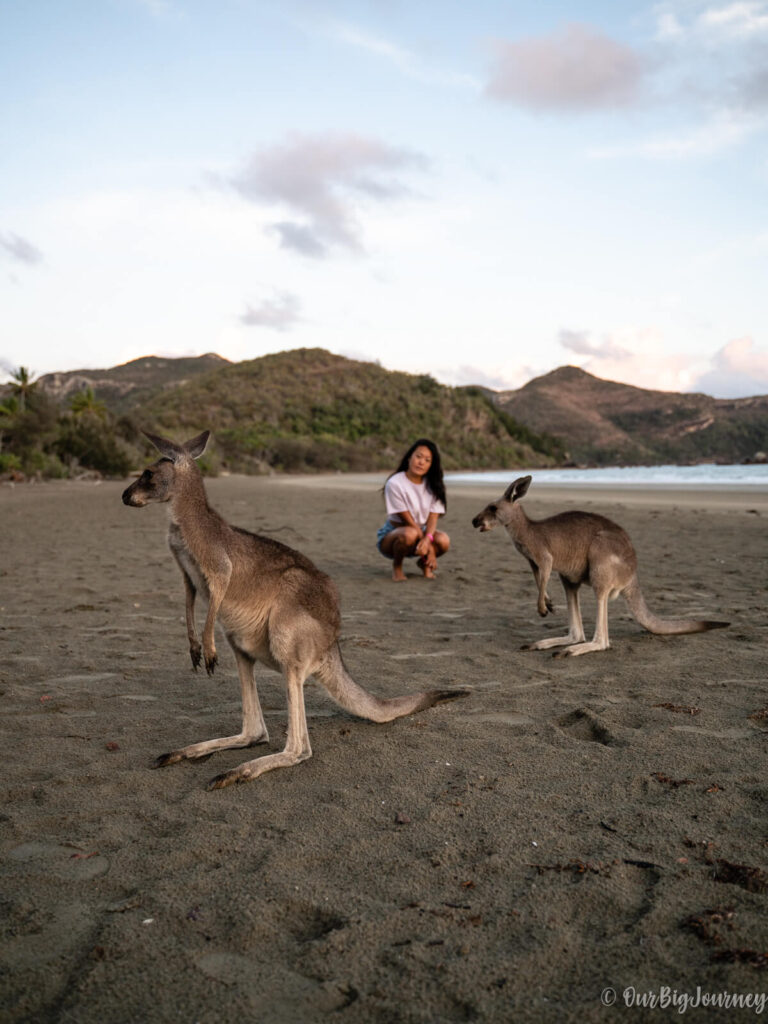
(706, 475)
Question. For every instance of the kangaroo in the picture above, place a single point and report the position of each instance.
(275, 606)
(582, 548)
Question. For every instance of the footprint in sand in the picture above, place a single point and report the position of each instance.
(583, 724)
(278, 994)
(504, 717)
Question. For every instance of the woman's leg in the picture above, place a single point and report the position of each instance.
(437, 547)
(397, 545)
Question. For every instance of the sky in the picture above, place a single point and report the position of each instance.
(482, 192)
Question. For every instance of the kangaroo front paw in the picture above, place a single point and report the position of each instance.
(549, 604)
(543, 609)
(196, 654)
(210, 662)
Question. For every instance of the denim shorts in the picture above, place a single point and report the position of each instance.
(382, 532)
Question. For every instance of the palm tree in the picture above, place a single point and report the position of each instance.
(9, 408)
(22, 385)
(86, 401)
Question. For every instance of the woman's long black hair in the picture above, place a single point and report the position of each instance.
(434, 475)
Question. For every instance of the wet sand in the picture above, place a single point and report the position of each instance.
(573, 825)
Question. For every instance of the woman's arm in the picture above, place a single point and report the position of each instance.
(423, 547)
(408, 519)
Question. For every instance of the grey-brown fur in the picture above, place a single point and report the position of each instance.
(275, 606)
(582, 548)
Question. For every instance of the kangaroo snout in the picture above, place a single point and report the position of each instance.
(131, 498)
(482, 523)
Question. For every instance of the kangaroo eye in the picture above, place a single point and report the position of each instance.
(493, 509)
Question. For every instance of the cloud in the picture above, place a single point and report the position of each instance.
(574, 68)
(157, 8)
(719, 133)
(280, 313)
(668, 25)
(739, 369)
(20, 249)
(640, 356)
(320, 180)
(637, 356)
(406, 61)
(742, 19)
(754, 88)
(581, 343)
(498, 378)
(680, 20)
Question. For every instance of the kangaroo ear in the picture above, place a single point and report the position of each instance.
(518, 488)
(164, 446)
(196, 446)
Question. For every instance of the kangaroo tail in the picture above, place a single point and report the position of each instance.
(352, 697)
(655, 624)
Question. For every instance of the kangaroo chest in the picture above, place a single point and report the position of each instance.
(523, 548)
(187, 562)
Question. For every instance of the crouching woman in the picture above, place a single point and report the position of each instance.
(414, 496)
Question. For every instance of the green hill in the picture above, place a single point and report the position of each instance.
(608, 423)
(310, 409)
(121, 387)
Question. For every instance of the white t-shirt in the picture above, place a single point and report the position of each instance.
(403, 495)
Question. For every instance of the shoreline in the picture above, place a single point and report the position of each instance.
(716, 496)
(689, 495)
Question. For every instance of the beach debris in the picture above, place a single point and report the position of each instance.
(148, 920)
(45, 697)
(112, 745)
(402, 819)
(129, 903)
(708, 925)
(705, 924)
(575, 867)
(714, 788)
(646, 865)
(193, 914)
(680, 709)
(749, 878)
(740, 956)
(84, 856)
(666, 780)
(760, 716)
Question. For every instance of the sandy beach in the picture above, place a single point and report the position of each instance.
(574, 831)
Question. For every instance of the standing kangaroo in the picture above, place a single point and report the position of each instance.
(274, 604)
(582, 548)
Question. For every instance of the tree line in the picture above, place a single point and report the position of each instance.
(40, 437)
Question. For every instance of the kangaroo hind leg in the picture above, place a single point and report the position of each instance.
(599, 641)
(254, 729)
(575, 633)
(297, 747)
